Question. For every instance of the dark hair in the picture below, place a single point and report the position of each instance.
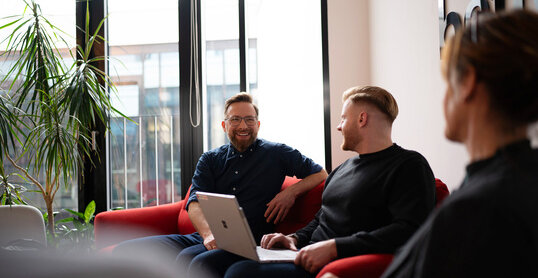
(503, 50)
(377, 96)
(240, 97)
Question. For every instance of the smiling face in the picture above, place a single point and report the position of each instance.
(241, 136)
(349, 126)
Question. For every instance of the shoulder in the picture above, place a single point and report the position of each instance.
(409, 156)
(273, 146)
(215, 153)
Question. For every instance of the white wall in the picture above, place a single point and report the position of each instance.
(401, 41)
(349, 62)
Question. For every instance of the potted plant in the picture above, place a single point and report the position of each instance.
(53, 103)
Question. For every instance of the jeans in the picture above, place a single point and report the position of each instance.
(220, 263)
(249, 268)
(171, 248)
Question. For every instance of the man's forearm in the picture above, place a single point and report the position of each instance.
(308, 183)
(198, 220)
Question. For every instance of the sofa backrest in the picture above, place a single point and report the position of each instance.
(304, 209)
(441, 192)
(184, 224)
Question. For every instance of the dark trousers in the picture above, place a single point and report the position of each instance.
(220, 263)
(179, 249)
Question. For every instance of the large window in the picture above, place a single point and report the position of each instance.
(144, 151)
(269, 48)
(284, 69)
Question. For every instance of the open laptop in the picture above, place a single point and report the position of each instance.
(232, 232)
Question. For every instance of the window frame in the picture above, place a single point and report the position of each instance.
(94, 179)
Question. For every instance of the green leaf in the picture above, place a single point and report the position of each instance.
(80, 215)
(88, 213)
(65, 220)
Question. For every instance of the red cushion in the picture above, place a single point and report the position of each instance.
(111, 227)
(184, 224)
(365, 266)
(441, 191)
(304, 209)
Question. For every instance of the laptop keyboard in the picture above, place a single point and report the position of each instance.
(275, 255)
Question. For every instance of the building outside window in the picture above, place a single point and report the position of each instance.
(284, 74)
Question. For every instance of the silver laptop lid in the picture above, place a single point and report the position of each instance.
(228, 224)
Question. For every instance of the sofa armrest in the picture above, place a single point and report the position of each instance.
(111, 227)
(304, 209)
(364, 266)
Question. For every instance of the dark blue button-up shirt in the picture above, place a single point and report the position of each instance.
(254, 176)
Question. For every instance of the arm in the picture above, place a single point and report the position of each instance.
(280, 205)
(200, 224)
(202, 180)
(312, 257)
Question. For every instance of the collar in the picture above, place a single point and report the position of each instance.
(511, 149)
(381, 153)
(232, 151)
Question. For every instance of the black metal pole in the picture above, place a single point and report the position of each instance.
(242, 48)
(326, 86)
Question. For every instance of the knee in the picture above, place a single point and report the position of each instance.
(243, 269)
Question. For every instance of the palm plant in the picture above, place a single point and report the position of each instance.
(56, 104)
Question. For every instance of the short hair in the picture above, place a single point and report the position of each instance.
(240, 97)
(377, 96)
(503, 49)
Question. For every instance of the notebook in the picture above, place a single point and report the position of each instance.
(232, 232)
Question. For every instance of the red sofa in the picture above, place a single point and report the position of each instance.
(112, 227)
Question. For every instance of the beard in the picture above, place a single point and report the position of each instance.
(349, 143)
(242, 144)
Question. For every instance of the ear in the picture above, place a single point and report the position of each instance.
(363, 118)
(223, 126)
(468, 84)
(258, 124)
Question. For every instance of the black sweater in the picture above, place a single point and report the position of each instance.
(373, 203)
(487, 228)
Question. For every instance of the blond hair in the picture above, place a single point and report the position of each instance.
(377, 96)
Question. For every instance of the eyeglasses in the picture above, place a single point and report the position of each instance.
(236, 121)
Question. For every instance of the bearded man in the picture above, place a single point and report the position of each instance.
(250, 168)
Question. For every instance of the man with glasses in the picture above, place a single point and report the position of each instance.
(250, 168)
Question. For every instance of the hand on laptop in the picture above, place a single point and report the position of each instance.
(279, 206)
(210, 243)
(278, 240)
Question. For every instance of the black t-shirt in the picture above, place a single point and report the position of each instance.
(373, 203)
(487, 228)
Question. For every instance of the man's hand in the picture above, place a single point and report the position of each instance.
(313, 257)
(209, 242)
(278, 240)
(279, 207)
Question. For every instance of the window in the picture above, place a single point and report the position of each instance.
(284, 69)
(144, 151)
(149, 161)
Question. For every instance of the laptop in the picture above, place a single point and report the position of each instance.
(232, 232)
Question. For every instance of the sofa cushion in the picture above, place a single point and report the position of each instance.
(184, 224)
